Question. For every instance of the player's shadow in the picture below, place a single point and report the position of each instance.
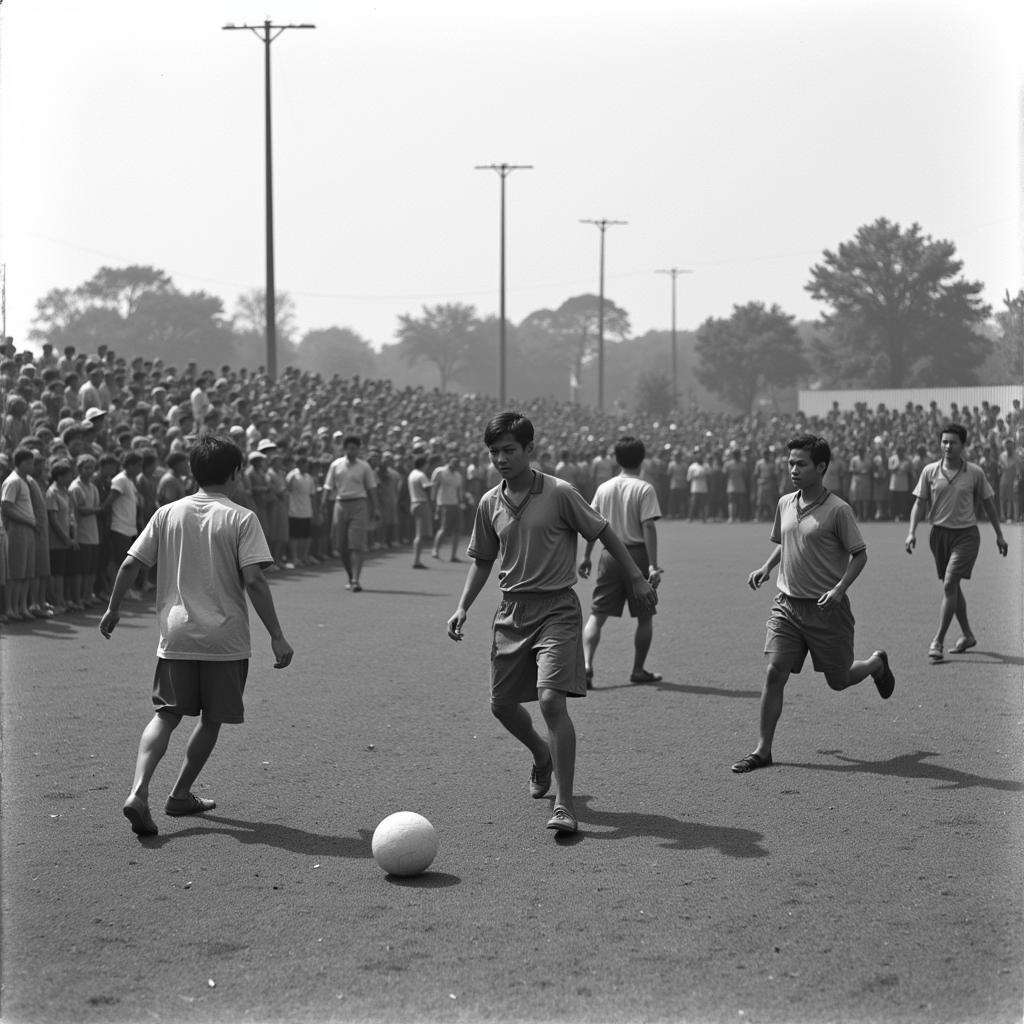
(983, 658)
(741, 843)
(910, 766)
(259, 833)
(670, 687)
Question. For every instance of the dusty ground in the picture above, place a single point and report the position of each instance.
(873, 874)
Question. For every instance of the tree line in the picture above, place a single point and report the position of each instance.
(897, 313)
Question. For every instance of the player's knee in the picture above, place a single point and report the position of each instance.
(552, 703)
(837, 680)
(776, 675)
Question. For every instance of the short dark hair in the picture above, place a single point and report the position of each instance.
(352, 439)
(512, 422)
(176, 459)
(629, 452)
(955, 428)
(817, 446)
(213, 459)
(23, 455)
(419, 462)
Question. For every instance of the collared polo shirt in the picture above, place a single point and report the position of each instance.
(536, 540)
(953, 496)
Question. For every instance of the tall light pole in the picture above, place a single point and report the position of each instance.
(503, 171)
(674, 272)
(268, 33)
(602, 226)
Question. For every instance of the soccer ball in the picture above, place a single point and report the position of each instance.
(404, 843)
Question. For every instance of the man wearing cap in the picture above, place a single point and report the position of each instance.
(351, 485)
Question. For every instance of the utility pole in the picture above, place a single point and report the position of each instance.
(675, 272)
(602, 226)
(268, 33)
(503, 171)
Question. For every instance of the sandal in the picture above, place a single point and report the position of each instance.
(645, 677)
(751, 762)
(965, 643)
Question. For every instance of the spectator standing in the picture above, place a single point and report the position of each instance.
(351, 485)
(63, 544)
(419, 508)
(697, 477)
(22, 529)
(446, 490)
(85, 497)
(736, 486)
(124, 504)
(301, 496)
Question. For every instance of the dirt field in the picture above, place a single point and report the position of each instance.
(873, 874)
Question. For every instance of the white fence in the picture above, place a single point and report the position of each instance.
(819, 403)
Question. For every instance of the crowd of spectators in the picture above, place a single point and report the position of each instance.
(93, 443)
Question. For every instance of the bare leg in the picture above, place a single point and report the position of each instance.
(591, 638)
(197, 753)
(951, 598)
(771, 707)
(562, 741)
(642, 643)
(152, 747)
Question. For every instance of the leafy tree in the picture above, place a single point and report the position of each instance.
(1008, 350)
(121, 288)
(183, 328)
(899, 313)
(251, 315)
(754, 350)
(444, 336)
(654, 393)
(334, 350)
(570, 333)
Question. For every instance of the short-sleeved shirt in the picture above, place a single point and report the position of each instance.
(816, 543)
(200, 544)
(627, 502)
(124, 510)
(953, 496)
(347, 480)
(59, 502)
(536, 540)
(301, 488)
(85, 495)
(419, 487)
(697, 474)
(16, 491)
(447, 484)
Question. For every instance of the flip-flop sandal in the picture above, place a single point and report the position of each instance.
(751, 762)
(645, 677)
(965, 643)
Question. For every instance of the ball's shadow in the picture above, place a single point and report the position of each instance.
(426, 880)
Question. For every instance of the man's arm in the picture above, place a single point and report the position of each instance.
(916, 515)
(993, 517)
(853, 569)
(476, 577)
(650, 529)
(125, 578)
(761, 576)
(262, 600)
(11, 512)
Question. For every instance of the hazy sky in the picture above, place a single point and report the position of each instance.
(739, 139)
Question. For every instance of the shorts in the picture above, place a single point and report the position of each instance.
(420, 513)
(213, 688)
(21, 551)
(797, 625)
(537, 643)
(88, 559)
(300, 527)
(351, 520)
(955, 551)
(613, 590)
(449, 516)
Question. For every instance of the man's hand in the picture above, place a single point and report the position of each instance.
(654, 578)
(758, 578)
(455, 624)
(282, 652)
(1002, 545)
(645, 593)
(109, 623)
(585, 568)
(909, 543)
(831, 597)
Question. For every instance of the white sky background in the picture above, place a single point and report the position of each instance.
(738, 138)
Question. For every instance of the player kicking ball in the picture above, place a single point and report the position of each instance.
(820, 552)
(530, 524)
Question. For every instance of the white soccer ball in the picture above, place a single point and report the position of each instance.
(404, 843)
